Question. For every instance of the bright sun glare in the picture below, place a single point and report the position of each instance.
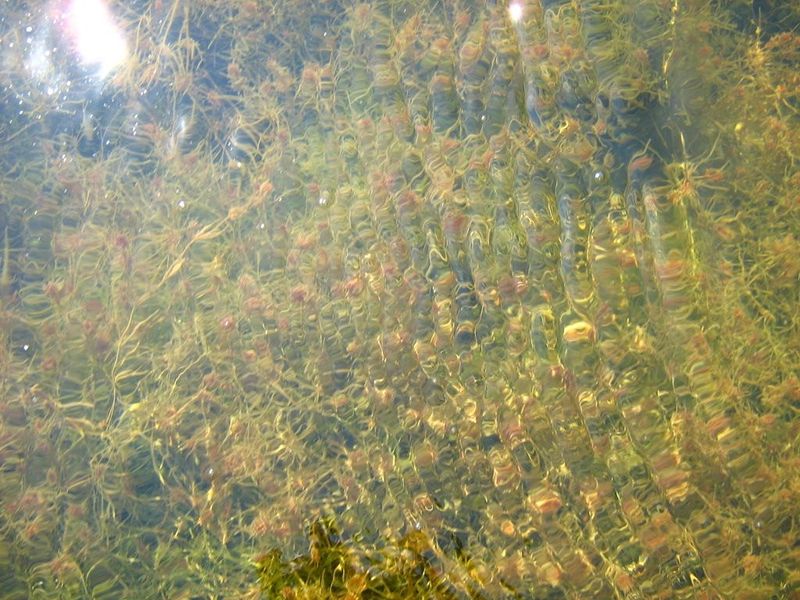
(96, 36)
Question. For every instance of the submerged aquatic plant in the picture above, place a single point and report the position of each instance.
(490, 302)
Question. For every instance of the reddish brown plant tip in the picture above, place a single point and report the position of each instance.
(299, 294)
(254, 305)
(545, 501)
(121, 241)
(211, 380)
(639, 165)
(454, 224)
(408, 203)
(513, 432)
(227, 323)
(353, 286)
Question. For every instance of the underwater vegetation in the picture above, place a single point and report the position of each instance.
(403, 299)
(330, 569)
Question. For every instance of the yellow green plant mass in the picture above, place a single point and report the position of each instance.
(403, 299)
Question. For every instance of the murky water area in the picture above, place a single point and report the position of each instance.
(398, 299)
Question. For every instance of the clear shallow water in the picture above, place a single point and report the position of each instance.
(447, 300)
